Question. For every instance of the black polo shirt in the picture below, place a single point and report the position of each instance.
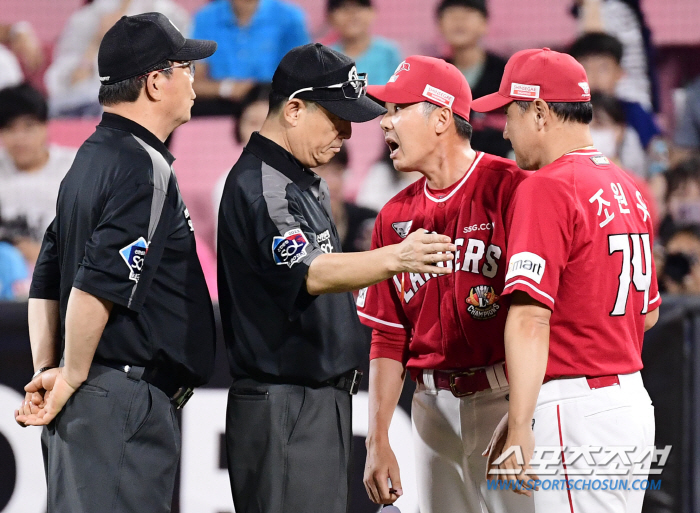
(123, 233)
(274, 220)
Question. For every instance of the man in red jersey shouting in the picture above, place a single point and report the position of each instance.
(583, 290)
(447, 331)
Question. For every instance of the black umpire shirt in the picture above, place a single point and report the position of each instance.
(123, 233)
(275, 218)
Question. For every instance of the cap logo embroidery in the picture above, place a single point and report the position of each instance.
(524, 90)
(586, 88)
(404, 66)
(438, 95)
(104, 79)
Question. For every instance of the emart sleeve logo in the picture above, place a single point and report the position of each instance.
(290, 248)
(526, 264)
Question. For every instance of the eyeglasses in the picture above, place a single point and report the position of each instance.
(353, 89)
(183, 64)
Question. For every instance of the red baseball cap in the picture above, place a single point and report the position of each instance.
(420, 79)
(532, 74)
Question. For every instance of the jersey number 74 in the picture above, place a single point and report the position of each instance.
(632, 245)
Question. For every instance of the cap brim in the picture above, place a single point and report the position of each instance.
(195, 49)
(386, 94)
(356, 111)
(491, 102)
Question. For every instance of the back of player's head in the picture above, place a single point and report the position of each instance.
(478, 5)
(597, 44)
(21, 100)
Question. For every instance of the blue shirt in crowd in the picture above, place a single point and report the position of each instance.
(379, 61)
(255, 50)
(12, 270)
(641, 121)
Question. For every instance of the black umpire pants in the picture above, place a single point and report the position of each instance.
(288, 447)
(113, 448)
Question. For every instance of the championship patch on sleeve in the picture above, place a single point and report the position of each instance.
(526, 264)
(134, 255)
(290, 248)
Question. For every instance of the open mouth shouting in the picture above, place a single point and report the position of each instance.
(393, 145)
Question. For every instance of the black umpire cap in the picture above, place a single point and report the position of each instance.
(135, 44)
(317, 73)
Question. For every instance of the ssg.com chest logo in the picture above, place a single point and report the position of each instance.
(134, 255)
(482, 302)
(290, 248)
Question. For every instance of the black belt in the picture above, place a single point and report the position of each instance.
(348, 382)
(179, 394)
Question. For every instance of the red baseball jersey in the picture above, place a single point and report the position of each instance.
(580, 242)
(454, 321)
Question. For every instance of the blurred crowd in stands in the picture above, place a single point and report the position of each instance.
(613, 43)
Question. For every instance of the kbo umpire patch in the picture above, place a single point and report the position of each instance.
(290, 248)
(134, 255)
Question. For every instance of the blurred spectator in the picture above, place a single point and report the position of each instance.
(14, 275)
(682, 198)
(376, 56)
(249, 119)
(463, 24)
(354, 223)
(681, 263)
(72, 79)
(613, 137)
(624, 20)
(253, 36)
(601, 54)
(687, 136)
(18, 44)
(383, 182)
(31, 169)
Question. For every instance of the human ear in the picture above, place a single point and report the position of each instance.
(443, 119)
(292, 111)
(541, 112)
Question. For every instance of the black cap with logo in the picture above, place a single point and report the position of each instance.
(137, 43)
(317, 73)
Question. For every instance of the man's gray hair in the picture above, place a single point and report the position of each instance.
(464, 129)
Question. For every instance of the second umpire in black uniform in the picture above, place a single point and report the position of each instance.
(118, 276)
(290, 325)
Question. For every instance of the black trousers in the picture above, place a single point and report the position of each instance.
(114, 447)
(288, 448)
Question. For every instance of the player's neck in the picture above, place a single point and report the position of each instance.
(448, 165)
(567, 138)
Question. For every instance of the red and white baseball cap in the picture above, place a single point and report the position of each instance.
(420, 79)
(532, 74)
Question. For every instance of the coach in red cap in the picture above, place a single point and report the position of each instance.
(447, 331)
(583, 289)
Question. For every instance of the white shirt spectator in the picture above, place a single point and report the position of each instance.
(380, 185)
(11, 74)
(33, 194)
(77, 48)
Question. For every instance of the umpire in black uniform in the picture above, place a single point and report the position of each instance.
(118, 279)
(292, 333)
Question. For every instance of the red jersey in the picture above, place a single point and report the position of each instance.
(453, 321)
(580, 242)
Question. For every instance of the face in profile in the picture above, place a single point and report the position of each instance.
(521, 131)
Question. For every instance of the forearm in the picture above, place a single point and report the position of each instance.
(343, 272)
(86, 318)
(44, 332)
(386, 377)
(527, 350)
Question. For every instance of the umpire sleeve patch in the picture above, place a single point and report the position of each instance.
(290, 248)
(134, 255)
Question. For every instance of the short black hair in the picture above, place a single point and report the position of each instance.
(332, 5)
(479, 5)
(22, 100)
(129, 90)
(577, 112)
(684, 172)
(610, 105)
(277, 100)
(597, 43)
(464, 129)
